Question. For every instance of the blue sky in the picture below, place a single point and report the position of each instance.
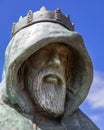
(88, 17)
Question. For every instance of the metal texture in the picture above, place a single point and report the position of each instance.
(42, 16)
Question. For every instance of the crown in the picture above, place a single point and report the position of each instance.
(42, 15)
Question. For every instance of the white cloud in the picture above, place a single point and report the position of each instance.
(95, 117)
(96, 94)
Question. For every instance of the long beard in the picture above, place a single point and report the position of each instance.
(49, 91)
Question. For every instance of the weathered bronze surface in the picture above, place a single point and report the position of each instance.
(47, 75)
(42, 15)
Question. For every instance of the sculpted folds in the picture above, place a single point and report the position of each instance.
(47, 75)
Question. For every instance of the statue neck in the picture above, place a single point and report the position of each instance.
(46, 121)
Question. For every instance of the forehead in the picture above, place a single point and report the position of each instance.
(57, 46)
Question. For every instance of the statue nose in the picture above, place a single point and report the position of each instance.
(54, 61)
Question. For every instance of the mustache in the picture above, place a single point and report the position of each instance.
(43, 72)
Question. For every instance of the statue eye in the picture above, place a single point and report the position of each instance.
(45, 50)
(63, 54)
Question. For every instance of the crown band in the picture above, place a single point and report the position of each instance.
(42, 16)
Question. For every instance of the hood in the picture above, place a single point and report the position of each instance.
(29, 40)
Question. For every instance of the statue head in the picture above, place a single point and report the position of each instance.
(45, 75)
(47, 69)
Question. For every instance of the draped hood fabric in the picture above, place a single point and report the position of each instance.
(29, 40)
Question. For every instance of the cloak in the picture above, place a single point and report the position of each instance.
(22, 45)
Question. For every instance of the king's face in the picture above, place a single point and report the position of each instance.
(47, 78)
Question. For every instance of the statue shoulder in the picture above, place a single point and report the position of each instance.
(11, 119)
(86, 121)
(80, 121)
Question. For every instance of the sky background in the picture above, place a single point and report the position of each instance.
(88, 17)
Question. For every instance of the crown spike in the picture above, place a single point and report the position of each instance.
(68, 17)
(29, 16)
(58, 14)
(73, 26)
(43, 8)
(13, 28)
(20, 18)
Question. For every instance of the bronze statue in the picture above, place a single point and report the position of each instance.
(47, 75)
